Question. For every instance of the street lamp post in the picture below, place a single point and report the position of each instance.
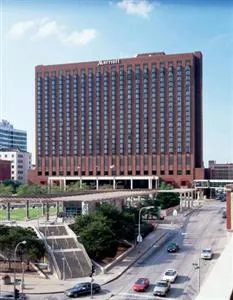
(15, 252)
(52, 240)
(63, 268)
(197, 266)
(139, 237)
(22, 283)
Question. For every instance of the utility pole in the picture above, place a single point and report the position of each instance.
(92, 279)
(197, 266)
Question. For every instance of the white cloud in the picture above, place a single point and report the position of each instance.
(48, 28)
(20, 28)
(136, 7)
(45, 28)
(79, 37)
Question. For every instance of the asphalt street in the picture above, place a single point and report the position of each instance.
(203, 228)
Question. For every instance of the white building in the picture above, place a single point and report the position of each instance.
(20, 163)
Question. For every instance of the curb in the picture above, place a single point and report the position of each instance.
(193, 210)
(136, 259)
(116, 277)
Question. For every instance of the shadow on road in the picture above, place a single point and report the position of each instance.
(182, 279)
(175, 292)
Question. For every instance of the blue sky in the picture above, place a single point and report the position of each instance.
(55, 31)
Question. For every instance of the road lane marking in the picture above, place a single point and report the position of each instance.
(140, 296)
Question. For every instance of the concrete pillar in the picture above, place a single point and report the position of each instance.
(43, 209)
(60, 184)
(181, 202)
(97, 183)
(80, 182)
(131, 183)
(150, 184)
(85, 208)
(189, 200)
(27, 209)
(64, 184)
(57, 208)
(114, 183)
(47, 211)
(156, 183)
(8, 207)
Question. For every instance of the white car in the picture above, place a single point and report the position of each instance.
(206, 253)
(170, 275)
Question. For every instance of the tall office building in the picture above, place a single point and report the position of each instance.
(11, 137)
(139, 116)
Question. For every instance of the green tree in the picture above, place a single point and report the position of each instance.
(26, 190)
(13, 183)
(6, 190)
(154, 212)
(11, 236)
(120, 222)
(168, 199)
(98, 238)
(165, 186)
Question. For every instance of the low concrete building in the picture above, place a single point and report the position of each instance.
(220, 170)
(20, 163)
(5, 169)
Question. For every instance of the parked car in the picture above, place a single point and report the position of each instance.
(206, 253)
(170, 275)
(83, 288)
(172, 247)
(224, 214)
(10, 295)
(141, 285)
(161, 288)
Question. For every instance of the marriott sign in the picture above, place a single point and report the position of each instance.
(108, 62)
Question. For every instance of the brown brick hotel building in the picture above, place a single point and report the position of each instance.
(131, 117)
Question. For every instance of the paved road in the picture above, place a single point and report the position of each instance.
(203, 228)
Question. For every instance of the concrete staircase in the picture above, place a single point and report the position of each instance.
(69, 257)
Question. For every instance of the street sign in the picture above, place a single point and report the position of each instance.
(175, 213)
(139, 238)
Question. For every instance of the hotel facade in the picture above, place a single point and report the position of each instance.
(138, 117)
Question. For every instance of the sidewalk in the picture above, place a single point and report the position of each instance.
(36, 285)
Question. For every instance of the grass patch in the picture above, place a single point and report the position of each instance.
(18, 214)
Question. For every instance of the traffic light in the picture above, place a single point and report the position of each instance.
(16, 293)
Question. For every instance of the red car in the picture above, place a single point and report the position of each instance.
(141, 285)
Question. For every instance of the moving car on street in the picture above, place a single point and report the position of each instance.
(141, 285)
(161, 288)
(81, 289)
(172, 248)
(170, 275)
(206, 253)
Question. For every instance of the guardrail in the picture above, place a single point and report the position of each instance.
(49, 252)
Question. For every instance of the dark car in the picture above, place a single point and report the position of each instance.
(83, 288)
(224, 214)
(10, 295)
(172, 247)
(141, 285)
